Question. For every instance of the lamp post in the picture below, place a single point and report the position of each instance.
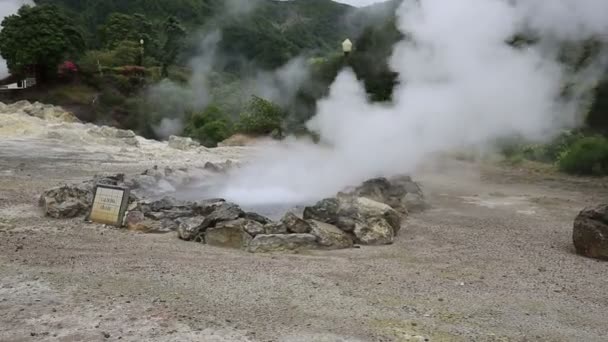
(347, 47)
(141, 43)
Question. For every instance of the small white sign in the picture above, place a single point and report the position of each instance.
(109, 205)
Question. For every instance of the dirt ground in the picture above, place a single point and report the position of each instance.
(491, 261)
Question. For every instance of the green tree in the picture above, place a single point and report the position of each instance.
(120, 27)
(174, 38)
(262, 117)
(39, 38)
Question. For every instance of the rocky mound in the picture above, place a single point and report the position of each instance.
(362, 215)
(42, 111)
(590, 233)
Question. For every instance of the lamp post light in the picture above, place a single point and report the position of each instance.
(347, 47)
(141, 43)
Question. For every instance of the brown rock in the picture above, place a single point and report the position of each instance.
(590, 234)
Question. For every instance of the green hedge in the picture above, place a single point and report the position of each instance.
(588, 156)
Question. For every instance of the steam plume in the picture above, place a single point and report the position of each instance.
(462, 85)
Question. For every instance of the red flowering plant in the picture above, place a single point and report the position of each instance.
(67, 69)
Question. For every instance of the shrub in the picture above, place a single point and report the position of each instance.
(261, 118)
(588, 156)
(209, 127)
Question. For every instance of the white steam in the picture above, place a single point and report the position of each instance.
(9, 7)
(173, 101)
(462, 85)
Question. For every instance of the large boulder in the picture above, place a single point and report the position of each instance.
(374, 231)
(369, 209)
(590, 233)
(230, 234)
(223, 212)
(67, 201)
(400, 193)
(190, 229)
(332, 211)
(294, 224)
(364, 217)
(282, 242)
(330, 236)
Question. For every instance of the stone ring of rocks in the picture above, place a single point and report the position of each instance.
(371, 214)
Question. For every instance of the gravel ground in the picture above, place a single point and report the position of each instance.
(491, 261)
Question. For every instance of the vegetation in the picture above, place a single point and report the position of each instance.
(588, 156)
(209, 127)
(38, 39)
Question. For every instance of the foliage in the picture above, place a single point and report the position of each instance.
(41, 36)
(370, 59)
(174, 36)
(588, 156)
(209, 127)
(123, 27)
(261, 117)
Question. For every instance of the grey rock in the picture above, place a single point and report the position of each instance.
(153, 226)
(228, 235)
(374, 231)
(67, 201)
(330, 236)
(347, 212)
(223, 212)
(206, 207)
(254, 228)
(133, 219)
(166, 203)
(190, 229)
(326, 210)
(590, 234)
(295, 224)
(401, 193)
(258, 218)
(282, 242)
(275, 228)
(369, 209)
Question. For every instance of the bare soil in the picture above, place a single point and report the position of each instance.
(491, 261)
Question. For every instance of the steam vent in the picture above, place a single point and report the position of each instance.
(371, 214)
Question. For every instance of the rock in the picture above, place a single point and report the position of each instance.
(165, 203)
(253, 228)
(295, 224)
(206, 207)
(223, 212)
(401, 193)
(258, 218)
(368, 209)
(154, 226)
(228, 235)
(326, 210)
(274, 228)
(374, 231)
(67, 201)
(329, 235)
(282, 242)
(133, 219)
(190, 229)
(346, 212)
(590, 233)
(184, 144)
